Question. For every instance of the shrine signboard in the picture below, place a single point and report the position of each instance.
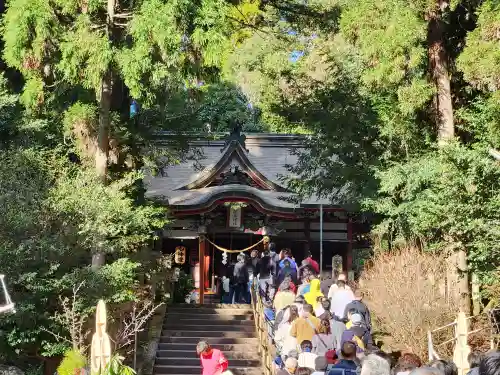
(234, 217)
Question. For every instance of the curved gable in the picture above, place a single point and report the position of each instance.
(231, 168)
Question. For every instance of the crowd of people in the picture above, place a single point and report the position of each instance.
(320, 325)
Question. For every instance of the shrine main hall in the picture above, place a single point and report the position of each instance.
(230, 196)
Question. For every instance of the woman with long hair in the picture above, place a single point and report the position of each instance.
(323, 339)
(282, 338)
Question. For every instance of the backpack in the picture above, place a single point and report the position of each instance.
(361, 311)
(279, 317)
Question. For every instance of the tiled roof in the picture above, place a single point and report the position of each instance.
(267, 153)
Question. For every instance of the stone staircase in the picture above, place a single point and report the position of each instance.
(229, 328)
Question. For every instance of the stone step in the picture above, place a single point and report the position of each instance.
(243, 306)
(208, 310)
(211, 340)
(195, 362)
(216, 318)
(188, 370)
(206, 333)
(191, 353)
(181, 326)
(249, 349)
(229, 328)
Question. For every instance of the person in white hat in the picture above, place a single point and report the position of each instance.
(358, 333)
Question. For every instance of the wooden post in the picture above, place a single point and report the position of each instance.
(462, 349)
(349, 250)
(202, 247)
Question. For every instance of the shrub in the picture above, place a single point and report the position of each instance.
(73, 361)
(405, 291)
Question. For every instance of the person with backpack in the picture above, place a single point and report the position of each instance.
(287, 270)
(266, 269)
(348, 364)
(241, 278)
(322, 341)
(358, 306)
(310, 261)
(286, 255)
(305, 270)
(358, 333)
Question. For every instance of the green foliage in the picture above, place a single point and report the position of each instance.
(9, 110)
(73, 360)
(480, 60)
(50, 213)
(85, 55)
(80, 112)
(355, 77)
(481, 119)
(107, 217)
(364, 90)
(116, 367)
(448, 199)
(223, 106)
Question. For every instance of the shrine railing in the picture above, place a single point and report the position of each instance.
(265, 332)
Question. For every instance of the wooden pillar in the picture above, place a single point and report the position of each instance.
(202, 248)
(307, 232)
(349, 247)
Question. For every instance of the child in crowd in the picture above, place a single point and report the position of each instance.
(306, 357)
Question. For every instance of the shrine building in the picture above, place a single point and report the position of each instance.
(229, 195)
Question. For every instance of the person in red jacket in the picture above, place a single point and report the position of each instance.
(312, 262)
(213, 361)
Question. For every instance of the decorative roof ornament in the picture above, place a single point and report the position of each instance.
(236, 136)
(235, 176)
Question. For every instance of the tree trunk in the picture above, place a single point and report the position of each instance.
(102, 152)
(439, 71)
(463, 282)
(438, 63)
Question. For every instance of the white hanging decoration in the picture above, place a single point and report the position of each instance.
(9, 305)
(224, 257)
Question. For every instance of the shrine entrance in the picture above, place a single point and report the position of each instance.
(237, 198)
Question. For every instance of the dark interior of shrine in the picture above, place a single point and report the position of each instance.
(238, 241)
